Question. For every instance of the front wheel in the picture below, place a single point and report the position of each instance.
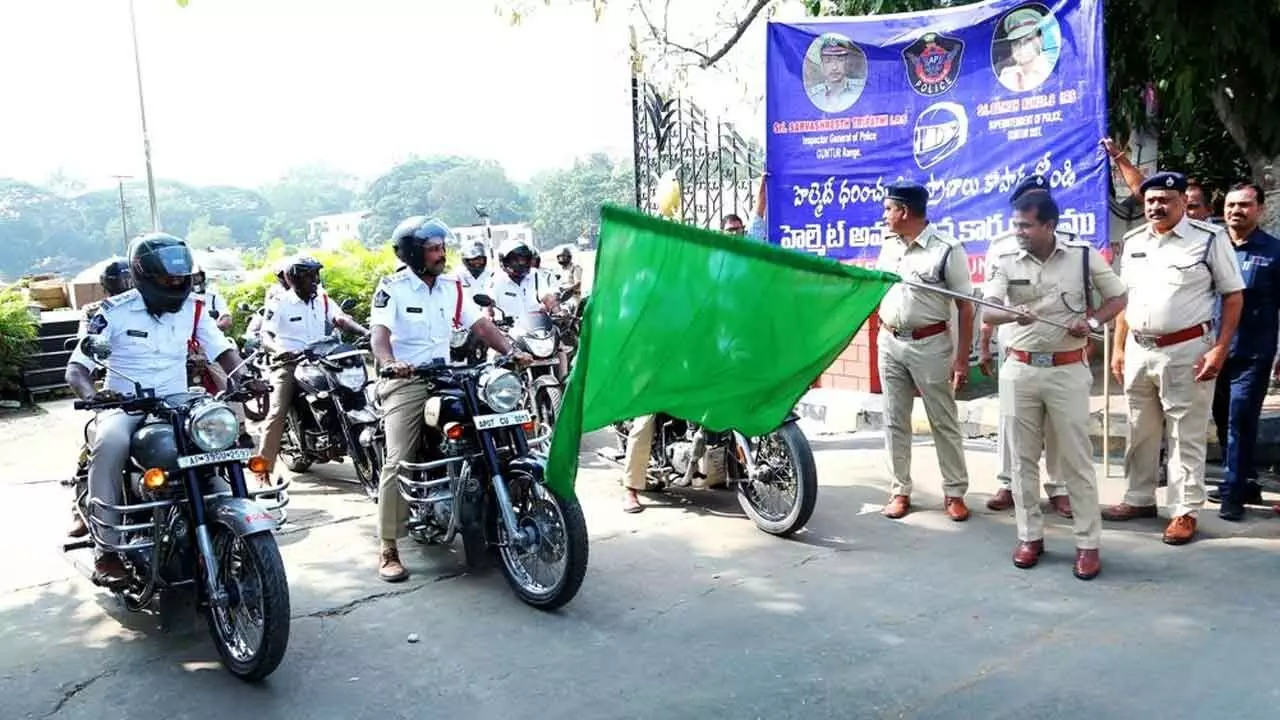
(291, 449)
(548, 572)
(368, 464)
(782, 497)
(251, 631)
(547, 406)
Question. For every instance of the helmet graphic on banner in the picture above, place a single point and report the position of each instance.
(940, 131)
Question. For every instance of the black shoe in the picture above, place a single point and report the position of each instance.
(1252, 494)
(1231, 511)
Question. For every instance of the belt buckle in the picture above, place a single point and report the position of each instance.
(1145, 340)
(1040, 359)
(903, 333)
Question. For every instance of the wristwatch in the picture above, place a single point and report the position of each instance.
(1093, 324)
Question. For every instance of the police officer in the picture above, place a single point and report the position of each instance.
(837, 91)
(280, 285)
(213, 302)
(1168, 351)
(1046, 374)
(520, 288)
(1057, 492)
(915, 348)
(569, 272)
(148, 329)
(292, 320)
(1242, 384)
(415, 312)
(475, 274)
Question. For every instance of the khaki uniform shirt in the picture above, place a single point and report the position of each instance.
(1175, 279)
(933, 258)
(1053, 289)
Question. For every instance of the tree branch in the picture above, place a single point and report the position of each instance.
(1236, 129)
(706, 60)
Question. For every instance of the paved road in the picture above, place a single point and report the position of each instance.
(687, 612)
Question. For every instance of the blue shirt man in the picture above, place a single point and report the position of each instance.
(1242, 384)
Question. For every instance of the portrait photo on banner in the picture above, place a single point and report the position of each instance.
(1025, 47)
(835, 72)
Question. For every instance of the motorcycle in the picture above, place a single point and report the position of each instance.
(330, 416)
(188, 522)
(539, 334)
(774, 476)
(488, 487)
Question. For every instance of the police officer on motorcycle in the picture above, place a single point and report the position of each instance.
(292, 320)
(415, 312)
(475, 274)
(148, 329)
(569, 272)
(520, 288)
(213, 302)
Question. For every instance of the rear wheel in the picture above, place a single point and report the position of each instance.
(251, 631)
(368, 463)
(291, 448)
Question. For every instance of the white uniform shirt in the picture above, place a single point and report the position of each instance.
(296, 324)
(420, 318)
(516, 299)
(471, 285)
(148, 349)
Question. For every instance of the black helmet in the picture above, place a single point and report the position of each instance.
(115, 277)
(412, 235)
(565, 254)
(161, 266)
(517, 258)
(303, 274)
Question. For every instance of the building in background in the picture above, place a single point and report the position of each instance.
(330, 231)
(500, 233)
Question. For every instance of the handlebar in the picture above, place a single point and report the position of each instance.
(439, 367)
(126, 403)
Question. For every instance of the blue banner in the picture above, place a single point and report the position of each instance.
(965, 101)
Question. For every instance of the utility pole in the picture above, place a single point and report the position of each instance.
(124, 218)
(142, 111)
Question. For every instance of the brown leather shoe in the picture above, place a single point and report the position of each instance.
(1061, 505)
(1002, 500)
(1125, 511)
(1180, 530)
(1088, 564)
(897, 508)
(956, 509)
(1027, 553)
(77, 529)
(389, 568)
(109, 570)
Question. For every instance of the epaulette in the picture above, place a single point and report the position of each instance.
(1205, 226)
(121, 300)
(398, 276)
(1135, 232)
(1073, 239)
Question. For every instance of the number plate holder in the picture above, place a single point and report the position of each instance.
(214, 458)
(490, 422)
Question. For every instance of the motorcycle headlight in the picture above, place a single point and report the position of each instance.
(212, 426)
(352, 378)
(459, 338)
(501, 390)
(541, 346)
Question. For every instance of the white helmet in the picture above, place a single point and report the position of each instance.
(472, 250)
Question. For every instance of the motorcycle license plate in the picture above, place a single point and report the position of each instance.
(213, 458)
(489, 422)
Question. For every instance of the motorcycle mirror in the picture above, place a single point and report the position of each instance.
(245, 307)
(483, 300)
(348, 305)
(96, 347)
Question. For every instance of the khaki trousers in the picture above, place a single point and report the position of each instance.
(639, 448)
(905, 366)
(1160, 386)
(1033, 400)
(282, 385)
(1004, 450)
(402, 402)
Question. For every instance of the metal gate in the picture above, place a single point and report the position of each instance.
(717, 168)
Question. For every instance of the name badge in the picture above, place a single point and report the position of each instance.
(413, 310)
(295, 319)
(136, 333)
(1138, 255)
(509, 294)
(1020, 281)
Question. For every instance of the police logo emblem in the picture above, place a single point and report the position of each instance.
(933, 63)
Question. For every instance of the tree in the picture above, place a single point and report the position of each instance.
(456, 192)
(566, 203)
(303, 193)
(202, 235)
(403, 191)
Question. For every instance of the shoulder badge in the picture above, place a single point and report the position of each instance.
(381, 298)
(97, 324)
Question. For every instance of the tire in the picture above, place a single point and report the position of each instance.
(369, 471)
(806, 478)
(575, 550)
(260, 551)
(547, 405)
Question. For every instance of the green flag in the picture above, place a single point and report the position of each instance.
(724, 331)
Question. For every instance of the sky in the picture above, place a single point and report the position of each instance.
(237, 91)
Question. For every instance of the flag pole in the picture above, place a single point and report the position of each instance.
(989, 304)
(1106, 405)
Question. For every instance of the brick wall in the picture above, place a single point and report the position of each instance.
(855, 369)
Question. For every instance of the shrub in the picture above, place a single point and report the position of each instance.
(17, 335)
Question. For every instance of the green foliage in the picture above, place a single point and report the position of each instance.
(567, 202)
(17, 335)
(403, 191)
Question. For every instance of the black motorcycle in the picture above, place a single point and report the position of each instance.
(539, 334)
(188, 522)
(774, 475)
(481, 481)
(330, 415)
